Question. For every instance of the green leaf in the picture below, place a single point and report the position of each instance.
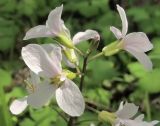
(8, 32)
(17, 92)
(27, 122)
(138, 14)
(100, 70)
(7, 6)
(150, 81)
(99, 95)
(4, 113)
(87, 118)
(5, 78)
(155, 53)
(27, 7)
(137, 69)
(44, 116)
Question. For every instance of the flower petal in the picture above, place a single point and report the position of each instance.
(54, 22)
(128, 111)
(41, 95)
(116, 32)
(54, 52)
(120, 106)
(18, 106)
(70, 99)
(133, 123)
(83, 36)
(124, 20)
(68, 63)
(138, 41)
(155, 122)
(34, 78)
(37, 32)
(66, 31)
(139, 118)
(37, 59)
(142, 58)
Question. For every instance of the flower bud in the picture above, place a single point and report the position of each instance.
(108, 117)
(71, 56)
(112, 48)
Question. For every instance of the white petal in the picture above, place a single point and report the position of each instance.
(116, 32)
(54, 22)
(128, 111)
(68, 63)
(66, 31)
(37, 32)
(138, 41)
(139, 118)
(54, 52)
(41, 95)
(34, 78)
(142, 58)
(120, 106)
(83, 36)
(70, 99)
(18, 106)
(37, 59)
(124, 20)
(155, 122)
(133, 123)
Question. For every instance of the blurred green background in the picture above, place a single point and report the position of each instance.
(109, 80)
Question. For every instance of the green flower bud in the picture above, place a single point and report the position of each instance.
(69, 74)
(108, 117)
(71, 56)
(112, 48)
(67, 42)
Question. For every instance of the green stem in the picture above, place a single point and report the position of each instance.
(147, 104)
(72, 120)
(87, 120)
(96, 56)
(83, 73)
(79, 51)
(60, 114)
(92, 109)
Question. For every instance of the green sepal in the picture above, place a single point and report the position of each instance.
(69, 74)
(107, 117)
(71, 56)
(112, 48)
(65, 41)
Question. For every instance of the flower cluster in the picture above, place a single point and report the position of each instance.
(45, 61)
(49, 79)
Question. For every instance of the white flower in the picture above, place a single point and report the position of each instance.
(33, 85)
(136, 43)
(45, 61)
(56, 28)
(126, 116)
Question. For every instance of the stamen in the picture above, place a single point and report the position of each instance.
(30, 86)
